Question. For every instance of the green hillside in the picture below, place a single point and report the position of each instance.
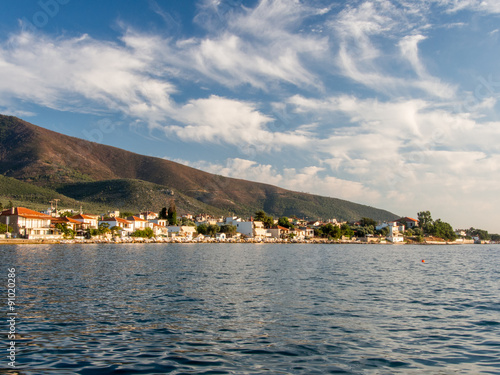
(27, 195)
(318, 207)
(135, 196)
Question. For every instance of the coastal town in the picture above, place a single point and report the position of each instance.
(68, 226)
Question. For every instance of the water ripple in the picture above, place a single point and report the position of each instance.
(208, 309)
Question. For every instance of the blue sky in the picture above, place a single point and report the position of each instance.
(393, 104)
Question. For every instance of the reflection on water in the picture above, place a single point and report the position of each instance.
(242, 308)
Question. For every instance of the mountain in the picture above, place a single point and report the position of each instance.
(74, 167)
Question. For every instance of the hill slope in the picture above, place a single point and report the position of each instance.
(46, 158)
(24, 194)
(135, 196)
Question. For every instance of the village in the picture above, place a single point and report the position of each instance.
(68, 226)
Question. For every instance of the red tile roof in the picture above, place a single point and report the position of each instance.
(408, 219)
(118, 220)
(64, 220)
(24, 212)
(83, 216)
(135, 218)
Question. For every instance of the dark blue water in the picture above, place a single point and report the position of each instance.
(254, 309)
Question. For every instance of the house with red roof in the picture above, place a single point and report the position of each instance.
(278, 232)
(26, 223)
(88, 221)
(159, 230)
(408, 222)
(126, 226)
(138, 223)
(70, 223)
(148, 215)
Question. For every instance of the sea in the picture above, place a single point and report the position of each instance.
(252, 309)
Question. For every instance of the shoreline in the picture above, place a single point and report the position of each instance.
(23, 241)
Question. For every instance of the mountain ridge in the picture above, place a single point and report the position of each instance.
(46, 158)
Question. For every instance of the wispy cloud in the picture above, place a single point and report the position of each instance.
(80, 74)
(367, 56)
(474, 5)
(258, 45)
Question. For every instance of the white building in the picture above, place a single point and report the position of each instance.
(126, 226)
(220, 236)
(259, 231)
(243, 227)
(185, 231)
(26, 223)
(88, 221)
(162, 222)
(138, 223)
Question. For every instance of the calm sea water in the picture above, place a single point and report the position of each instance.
(255, 309)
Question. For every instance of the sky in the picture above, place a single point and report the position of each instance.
(388, 103)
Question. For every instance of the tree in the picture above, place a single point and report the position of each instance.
(208, 230)
(346, 230)
(126, 214)
(230, 230)
(172, 214)
(366, 222)
(384, 231)
(187, 222)
(67, 232)
(418, 232)
(146, 233)
(260, 215)
(284, 222)
(66, 214)
(495, 237)
(424, 218)
(330, 231)
(102, 229)
(361, 231)
(443, 230)
(213, 229)
(163, 214)
(10, 204)
(202, 229)
(268, 221)
(4, 229)
(115, 230)
(483, 235)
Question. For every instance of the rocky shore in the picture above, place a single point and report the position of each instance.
(128, 240)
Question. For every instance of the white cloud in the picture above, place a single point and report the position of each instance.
(222, 120)
(487, 6)
(82, 74)
(65, 74)
(364, 54)
(259, 44)
(409, 50)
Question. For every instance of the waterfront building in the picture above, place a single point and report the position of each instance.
(26, 223)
